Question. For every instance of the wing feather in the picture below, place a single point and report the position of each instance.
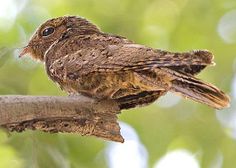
(99, 53)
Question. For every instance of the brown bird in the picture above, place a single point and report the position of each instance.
(82, 59)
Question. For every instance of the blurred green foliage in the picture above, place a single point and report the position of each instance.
(176, 25)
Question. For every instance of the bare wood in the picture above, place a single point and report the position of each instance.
(76, 114)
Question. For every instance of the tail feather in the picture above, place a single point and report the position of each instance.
(195, 89)
(200, 91)
(141, 99)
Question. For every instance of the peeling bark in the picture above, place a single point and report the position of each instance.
(77, 114)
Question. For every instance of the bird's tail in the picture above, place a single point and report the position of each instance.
(195, 89)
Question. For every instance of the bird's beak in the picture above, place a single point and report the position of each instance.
(25, 51)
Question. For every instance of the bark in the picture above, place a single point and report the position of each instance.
(77, 114)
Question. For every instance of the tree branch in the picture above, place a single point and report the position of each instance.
(77, 114)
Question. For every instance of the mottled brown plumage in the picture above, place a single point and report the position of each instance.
(82, 59)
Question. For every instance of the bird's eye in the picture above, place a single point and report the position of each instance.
(48, 31)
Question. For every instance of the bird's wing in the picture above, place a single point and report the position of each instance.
(138, 57)
(110, 54)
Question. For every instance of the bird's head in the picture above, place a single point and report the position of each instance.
(54, 29)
